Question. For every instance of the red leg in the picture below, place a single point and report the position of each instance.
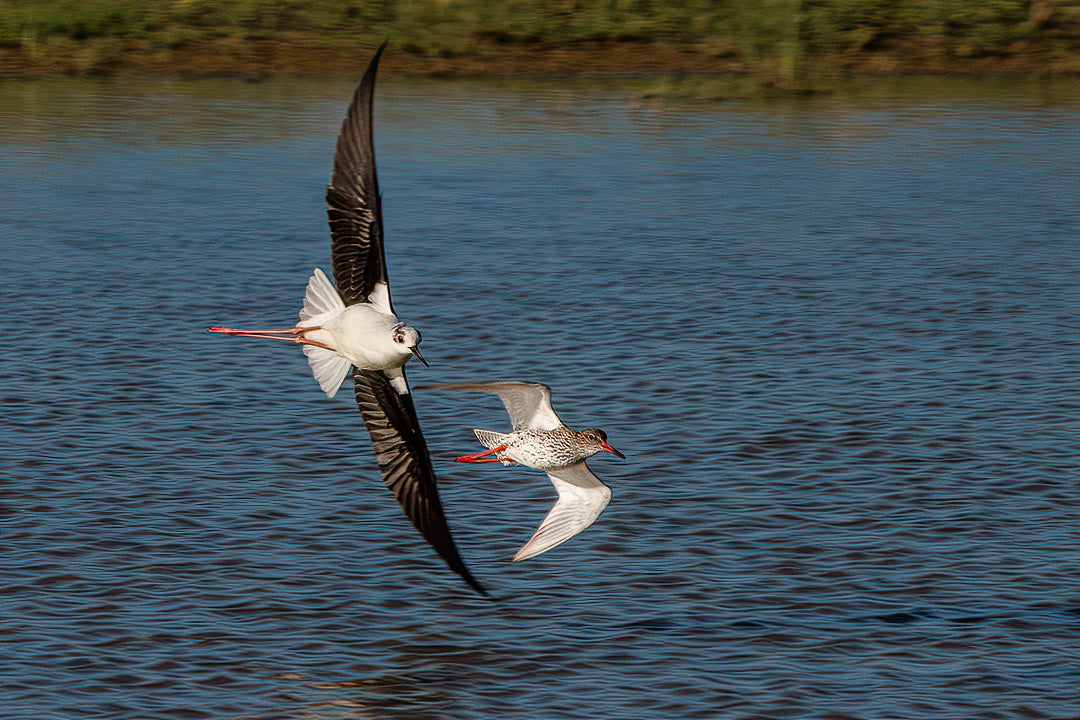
(479, 457)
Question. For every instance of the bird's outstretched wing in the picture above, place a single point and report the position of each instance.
(354, 204)
(528, 404)
(582, 497)
(405, 464)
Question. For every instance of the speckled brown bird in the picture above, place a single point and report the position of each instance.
(540, 440)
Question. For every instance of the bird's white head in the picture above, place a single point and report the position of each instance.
(408, 339)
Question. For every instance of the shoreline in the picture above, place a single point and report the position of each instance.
(255, 59)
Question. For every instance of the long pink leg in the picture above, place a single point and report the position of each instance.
(290, 335)
(283, 334)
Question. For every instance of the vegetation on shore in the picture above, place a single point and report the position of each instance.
(781, 41)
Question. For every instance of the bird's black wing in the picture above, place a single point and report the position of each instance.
(354, 205)
(405, 464)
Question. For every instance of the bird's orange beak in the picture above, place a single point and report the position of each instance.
(612, 450)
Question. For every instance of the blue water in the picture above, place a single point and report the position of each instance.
(838, 341)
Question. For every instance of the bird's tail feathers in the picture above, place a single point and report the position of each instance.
(321, 300)
(328, 367)
(490, 438)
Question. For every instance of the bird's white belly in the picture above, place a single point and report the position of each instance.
(541, 450)
(363, 335)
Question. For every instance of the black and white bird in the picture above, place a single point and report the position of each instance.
(540, 440)
(354, 326)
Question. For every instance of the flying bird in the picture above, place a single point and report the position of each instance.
(539, 440)
(354, 326)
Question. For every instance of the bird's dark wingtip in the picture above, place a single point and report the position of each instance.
(449, 554)
(454, 561)
(373, 65)
(475, 585)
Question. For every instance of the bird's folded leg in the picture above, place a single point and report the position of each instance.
(479, 457)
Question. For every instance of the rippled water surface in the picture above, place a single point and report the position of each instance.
(838, 342)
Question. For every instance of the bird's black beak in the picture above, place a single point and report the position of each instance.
(416, 351)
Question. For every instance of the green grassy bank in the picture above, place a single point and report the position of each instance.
(780, 41)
